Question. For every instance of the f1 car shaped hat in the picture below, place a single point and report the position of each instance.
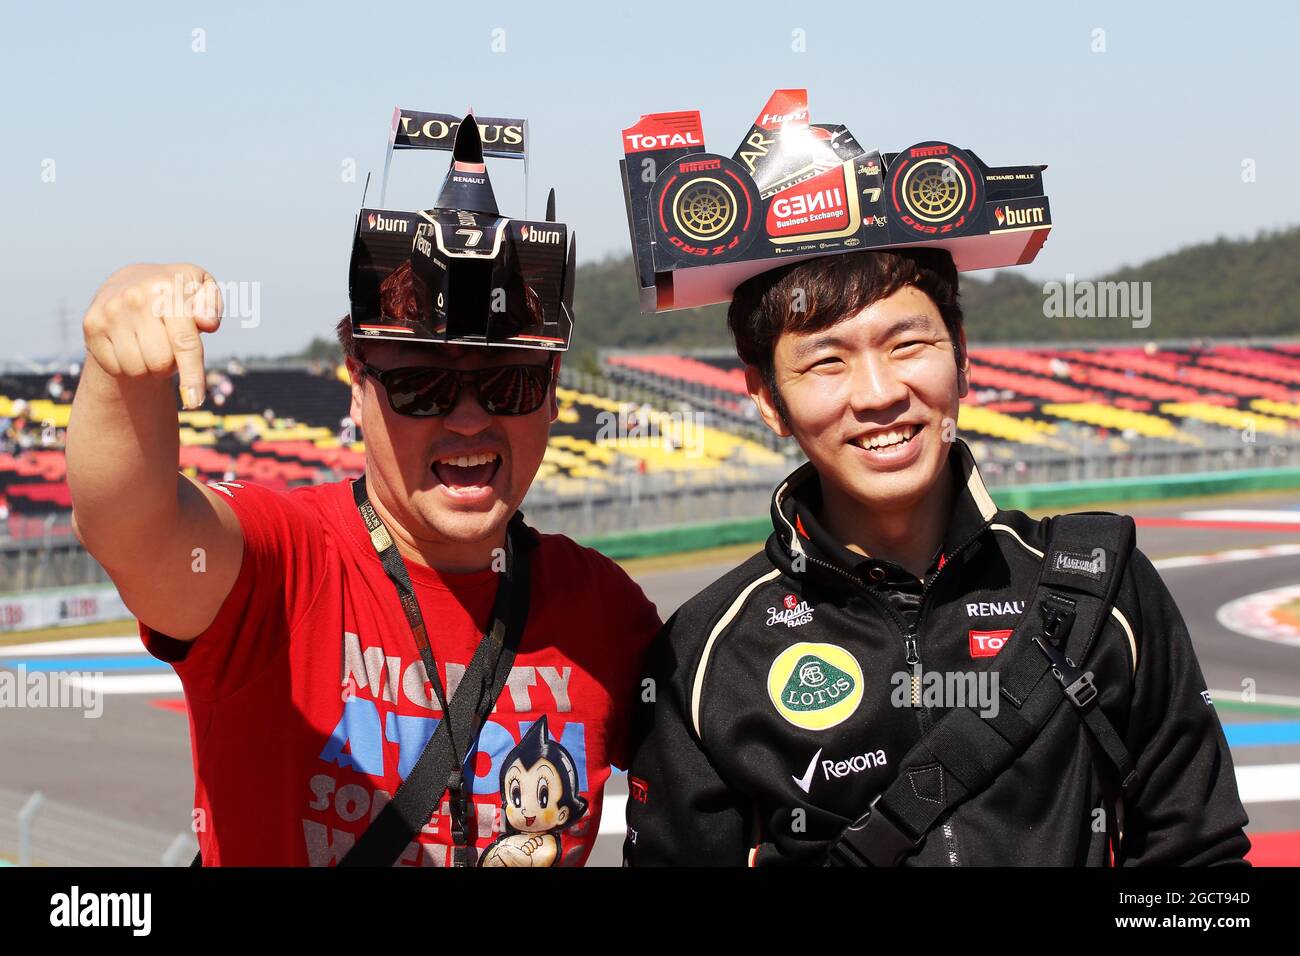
(703, 223)
(460, 272)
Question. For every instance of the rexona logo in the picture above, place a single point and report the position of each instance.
(379, 224)
(547, 237)
(839, 769)
(815, 686)
(1018, 217)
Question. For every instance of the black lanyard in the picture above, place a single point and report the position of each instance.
(474, 698)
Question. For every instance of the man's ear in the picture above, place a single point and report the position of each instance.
(963, 363)
(357, 377)
(555, 388)
(763, 401)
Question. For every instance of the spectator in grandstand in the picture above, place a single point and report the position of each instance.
(878, 685)
(219, 387)
(54, 387)
(300, 622)
(19, 436)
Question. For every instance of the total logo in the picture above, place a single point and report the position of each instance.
(839, 769)
(638, 789)
(988, 643)
(793, 612)
(545, 237)
(815, 686)
(378, 223)
(638, 141)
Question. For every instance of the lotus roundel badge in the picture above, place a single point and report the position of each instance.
(815, 686)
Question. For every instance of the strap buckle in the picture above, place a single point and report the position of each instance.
(1076, 684)
(874, 839)
(1082, 691)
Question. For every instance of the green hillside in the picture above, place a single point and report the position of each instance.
(1227, 288)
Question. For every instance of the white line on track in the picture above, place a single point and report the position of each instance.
(167, 683)
(1224, 557)
(1269, 783)
(1243, 514)
(1235, 695)
(1253, 616)
(80, 645)
(613, 815)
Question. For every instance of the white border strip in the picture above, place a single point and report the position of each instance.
(717, 632)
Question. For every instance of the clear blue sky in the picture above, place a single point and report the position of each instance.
(233, 157)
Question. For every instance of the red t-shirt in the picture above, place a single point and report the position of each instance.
(308, 701)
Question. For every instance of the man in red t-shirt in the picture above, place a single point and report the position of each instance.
(309, 701)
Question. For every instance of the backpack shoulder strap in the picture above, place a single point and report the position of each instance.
(1039, 667)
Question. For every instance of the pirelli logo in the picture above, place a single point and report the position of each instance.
(700, 165)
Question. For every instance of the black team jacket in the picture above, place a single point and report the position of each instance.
(777, 707)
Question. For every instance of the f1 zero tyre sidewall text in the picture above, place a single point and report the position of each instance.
(704, 209)
(935, 190)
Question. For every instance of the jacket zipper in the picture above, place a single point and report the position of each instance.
(950, 841)
(912, 651)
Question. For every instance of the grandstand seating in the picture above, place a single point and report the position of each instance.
(1154, 394)
(284, 427)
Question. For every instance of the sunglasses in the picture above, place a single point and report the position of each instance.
(422, 391)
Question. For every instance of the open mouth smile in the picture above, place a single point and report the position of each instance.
(896, 446)
(467, 476)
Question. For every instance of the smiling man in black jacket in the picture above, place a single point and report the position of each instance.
(907, 675)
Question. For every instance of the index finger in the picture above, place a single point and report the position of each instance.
(187, 347)
(208, 305)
